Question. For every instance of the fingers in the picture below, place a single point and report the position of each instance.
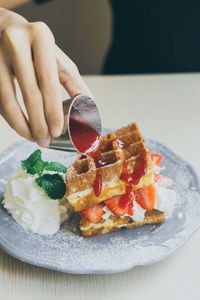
(9, 107)
(69, 75)
(43, 47)
(25, 74)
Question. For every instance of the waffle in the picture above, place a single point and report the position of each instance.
(114, 223)
(80, 177)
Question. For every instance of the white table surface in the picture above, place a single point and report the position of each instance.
(167, 108)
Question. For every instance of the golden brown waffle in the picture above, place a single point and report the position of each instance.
(114, 223)
(80, 177)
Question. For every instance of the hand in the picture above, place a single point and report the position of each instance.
(29, 54)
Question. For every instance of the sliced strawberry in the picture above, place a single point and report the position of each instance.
(130, 210)
(113, 205)
(93, 214)
(162, 181)
(145, 197)
(156, 158)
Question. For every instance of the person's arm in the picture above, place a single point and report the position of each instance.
(29, 54)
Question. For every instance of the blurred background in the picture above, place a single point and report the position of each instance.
(121, 37)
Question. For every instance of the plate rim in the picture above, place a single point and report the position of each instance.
(27, 259)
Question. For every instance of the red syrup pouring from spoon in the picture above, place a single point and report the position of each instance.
(87, 141)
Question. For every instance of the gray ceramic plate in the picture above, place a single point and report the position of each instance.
(67, 251)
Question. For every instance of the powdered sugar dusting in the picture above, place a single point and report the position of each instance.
(69, 252)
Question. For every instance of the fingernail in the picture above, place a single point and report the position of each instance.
(43, 143)
(55, 131)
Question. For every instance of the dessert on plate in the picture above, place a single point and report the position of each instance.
(116, 184)
(119, 186)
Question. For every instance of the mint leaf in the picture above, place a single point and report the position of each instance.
(56, 167)
(53, 185)
(34, 163)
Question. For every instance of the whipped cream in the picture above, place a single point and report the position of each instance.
(165, 202)
(31, 207)
(107, 214)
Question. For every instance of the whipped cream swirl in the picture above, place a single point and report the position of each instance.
(31, 207)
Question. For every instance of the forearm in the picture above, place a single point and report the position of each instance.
(9, 4)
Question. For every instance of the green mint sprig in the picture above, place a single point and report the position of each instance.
(53, 184)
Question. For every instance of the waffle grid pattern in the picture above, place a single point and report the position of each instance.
(126, 143)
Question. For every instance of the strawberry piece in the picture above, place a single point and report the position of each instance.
(93, 214)
(145, 197)
(113, 205)
(156, 158)
(130, 210)
(162, 181)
